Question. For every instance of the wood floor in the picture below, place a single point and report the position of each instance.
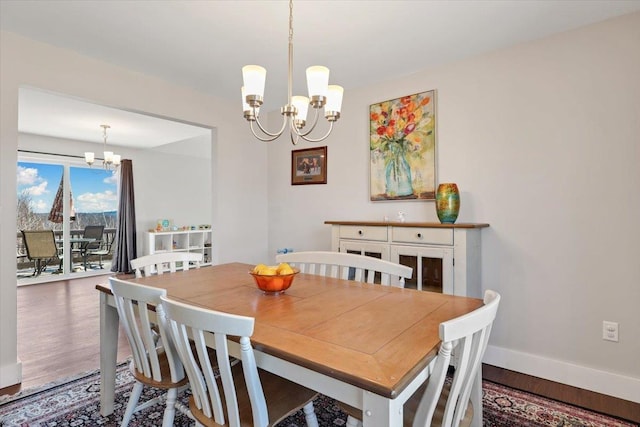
(59, 331)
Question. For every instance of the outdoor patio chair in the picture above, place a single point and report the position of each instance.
(84, 248)
(104, 249)
(41, 249)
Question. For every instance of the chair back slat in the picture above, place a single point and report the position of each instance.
(347, 266)
(185, 322)
(166, 261)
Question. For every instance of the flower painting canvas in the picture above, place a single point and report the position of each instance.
(402, 146)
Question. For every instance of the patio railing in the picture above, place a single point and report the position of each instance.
(23, 262)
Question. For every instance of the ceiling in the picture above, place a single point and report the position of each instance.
(204, 44)
(48, 114)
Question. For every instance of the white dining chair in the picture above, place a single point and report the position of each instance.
(360, 268)
(154, 362)
(165, 262)
(242, 394)
(444, 402)
(348, 266)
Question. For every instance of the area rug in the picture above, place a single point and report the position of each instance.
(75, 403)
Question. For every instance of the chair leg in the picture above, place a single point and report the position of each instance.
(170, 409)
(133, 402)
(39, 266)
(310, 415)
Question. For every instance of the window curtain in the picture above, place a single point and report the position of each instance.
(125, 239)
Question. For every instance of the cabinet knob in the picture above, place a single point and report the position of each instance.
(419, 235)
(360, 232)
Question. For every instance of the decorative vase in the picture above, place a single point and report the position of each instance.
(447, 202)
(398, 177)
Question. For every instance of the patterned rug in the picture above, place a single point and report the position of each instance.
(75, 403)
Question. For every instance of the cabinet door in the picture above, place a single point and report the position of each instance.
(375, 250)
(432, 267)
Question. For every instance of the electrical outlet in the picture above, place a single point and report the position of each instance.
(610, 331)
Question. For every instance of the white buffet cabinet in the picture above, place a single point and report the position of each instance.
(444, 257)
(196, 241)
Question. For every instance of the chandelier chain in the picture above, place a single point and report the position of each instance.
(290, 68)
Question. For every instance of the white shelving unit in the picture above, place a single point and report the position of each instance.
(196, 241)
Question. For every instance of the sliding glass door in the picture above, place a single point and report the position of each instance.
(78, 206)
(95, 203)
(37, 253)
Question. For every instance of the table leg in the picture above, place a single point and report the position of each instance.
(109, 321)
(379, 411)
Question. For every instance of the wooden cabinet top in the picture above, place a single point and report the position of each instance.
(408, 224)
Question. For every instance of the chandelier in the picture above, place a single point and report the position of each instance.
(110, 159)
(321, 94)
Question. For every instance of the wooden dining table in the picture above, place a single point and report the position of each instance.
(367, 345)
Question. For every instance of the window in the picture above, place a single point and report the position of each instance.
(91, 200)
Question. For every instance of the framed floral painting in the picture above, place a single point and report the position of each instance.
(402, 146)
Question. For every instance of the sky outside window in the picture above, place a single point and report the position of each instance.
(93, 189)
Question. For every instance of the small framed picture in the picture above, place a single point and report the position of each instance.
(309, 166)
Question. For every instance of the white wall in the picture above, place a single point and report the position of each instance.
(543, 140)
(238, 194)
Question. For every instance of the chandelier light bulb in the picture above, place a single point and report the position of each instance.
(108, 156)
(334, 100)
(254, 78)
(245, 105)
(317, 81)
(89, 157)
(302, 106)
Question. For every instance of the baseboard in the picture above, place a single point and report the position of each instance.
(10, 374)
(607, 383)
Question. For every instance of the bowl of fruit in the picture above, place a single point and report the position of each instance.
(273, 279)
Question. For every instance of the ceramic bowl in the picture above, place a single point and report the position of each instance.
(274, 284)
